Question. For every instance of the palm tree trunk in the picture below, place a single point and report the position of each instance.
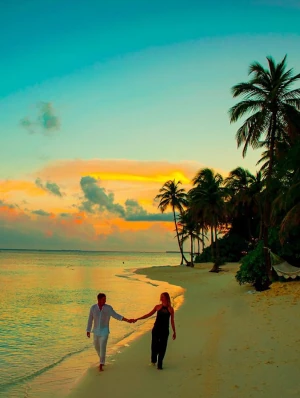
(267, 206)
(215, 267)
(192, 251)
(179, 243)
(261, 222)
(212, 243)
(181, 251)
(203, 243)
(217, 244)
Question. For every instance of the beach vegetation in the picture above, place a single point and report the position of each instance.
(246, 216)
(172, 195)
(274, 107)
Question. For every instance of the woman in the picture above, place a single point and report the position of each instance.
(160, 331)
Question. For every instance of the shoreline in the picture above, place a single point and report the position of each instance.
(67, 374)
(229, 344)
(144, 327)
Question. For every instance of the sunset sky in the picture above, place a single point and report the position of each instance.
(102, 102)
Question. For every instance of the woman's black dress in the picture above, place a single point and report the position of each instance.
(160, 334)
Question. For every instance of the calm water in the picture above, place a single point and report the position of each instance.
(45, 299)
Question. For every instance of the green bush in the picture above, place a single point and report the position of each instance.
(290, 249)
(231, 248)
(253, 269)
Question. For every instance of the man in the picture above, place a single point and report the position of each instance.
(100, 314)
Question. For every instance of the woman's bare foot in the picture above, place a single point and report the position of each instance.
(101, 367)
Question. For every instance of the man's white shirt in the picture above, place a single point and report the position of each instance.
(101, 319)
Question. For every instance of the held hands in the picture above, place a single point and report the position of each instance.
(88, 334)
(131, 320)
(174, 335)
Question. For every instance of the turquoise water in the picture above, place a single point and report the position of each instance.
(45, 299)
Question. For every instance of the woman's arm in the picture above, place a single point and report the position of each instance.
(147, 315)
(173, 322)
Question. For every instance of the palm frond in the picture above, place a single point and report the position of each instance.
(244, 107)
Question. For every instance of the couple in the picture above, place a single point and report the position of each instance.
(101, 312)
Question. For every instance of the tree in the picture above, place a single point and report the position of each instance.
(244, 189)
(171, 195)
(207, 197)
(189, 229)
(286, 206)
(274, 109)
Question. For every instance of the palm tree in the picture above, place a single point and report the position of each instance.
(188, 229)
(244, 189)
(208, 197)
(197, 214)
(287, 203)
(290, 201)
(256, 193)
(172, 195)
(274, 108)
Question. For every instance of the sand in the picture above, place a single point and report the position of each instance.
(231, 342)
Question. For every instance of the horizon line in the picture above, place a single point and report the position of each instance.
(90, 251)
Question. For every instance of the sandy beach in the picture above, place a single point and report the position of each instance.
(231, 342)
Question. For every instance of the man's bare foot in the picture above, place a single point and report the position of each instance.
(101, 367)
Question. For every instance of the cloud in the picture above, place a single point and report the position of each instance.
(122, 170)
(8, 205)
(126, 178)
(155, 237)
(46, 122)
(97, 199)
(135, 212)
(65, 215)
(9, 186)
(41, 213)
(18, 230)
(50, 187)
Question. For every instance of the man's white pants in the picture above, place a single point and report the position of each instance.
(100, 343)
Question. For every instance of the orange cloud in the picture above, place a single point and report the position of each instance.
(105, 227)
(21, 229)
(127, 179)
(9, 212)
(29, 187)
(161, 178)
(122, 170)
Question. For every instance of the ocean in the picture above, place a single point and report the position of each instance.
(45, 300)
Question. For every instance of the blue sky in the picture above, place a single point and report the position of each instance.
(41, 40)
(136, 81)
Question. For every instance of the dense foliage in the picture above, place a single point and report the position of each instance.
(252, 269)
(246, 215)
(231, 248)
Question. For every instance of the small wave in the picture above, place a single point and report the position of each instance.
(124, 276)
(151, 283)
(137, 279)
(24, 379)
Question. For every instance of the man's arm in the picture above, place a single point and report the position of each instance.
(89, 323)
(117, 316)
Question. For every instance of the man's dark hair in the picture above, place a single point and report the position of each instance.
(101, 295)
